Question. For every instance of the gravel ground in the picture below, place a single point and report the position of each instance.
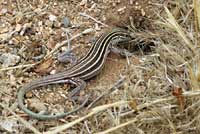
(160, 90)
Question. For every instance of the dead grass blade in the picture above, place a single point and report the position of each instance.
(139, 107)
(17, 67)
(117, 104)
(196, 4)
(194, 74)
(118, 126)
(93, 112)
(172, 21)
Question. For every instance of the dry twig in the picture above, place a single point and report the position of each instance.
(97, 21)
(59, 45)
(17, 67)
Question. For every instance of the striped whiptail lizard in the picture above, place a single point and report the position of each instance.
(87, 67)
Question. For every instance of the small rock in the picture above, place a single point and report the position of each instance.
(51, 43)
(121, 10)
(18, 27)
(37, 105)
(58, 109)
(12, 80)
(29, 95)
(13, 41)
(52, 17)
(3, 11)
(49, 23)
(8, 59)
(97, 28)
(8, 125)
(83, 2)
(53, 71)
(40, 23)
(56, 24)
(143, 12)
(66, 22)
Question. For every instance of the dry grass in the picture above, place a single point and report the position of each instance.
(161, 91)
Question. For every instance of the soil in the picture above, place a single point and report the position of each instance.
(39, 25)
